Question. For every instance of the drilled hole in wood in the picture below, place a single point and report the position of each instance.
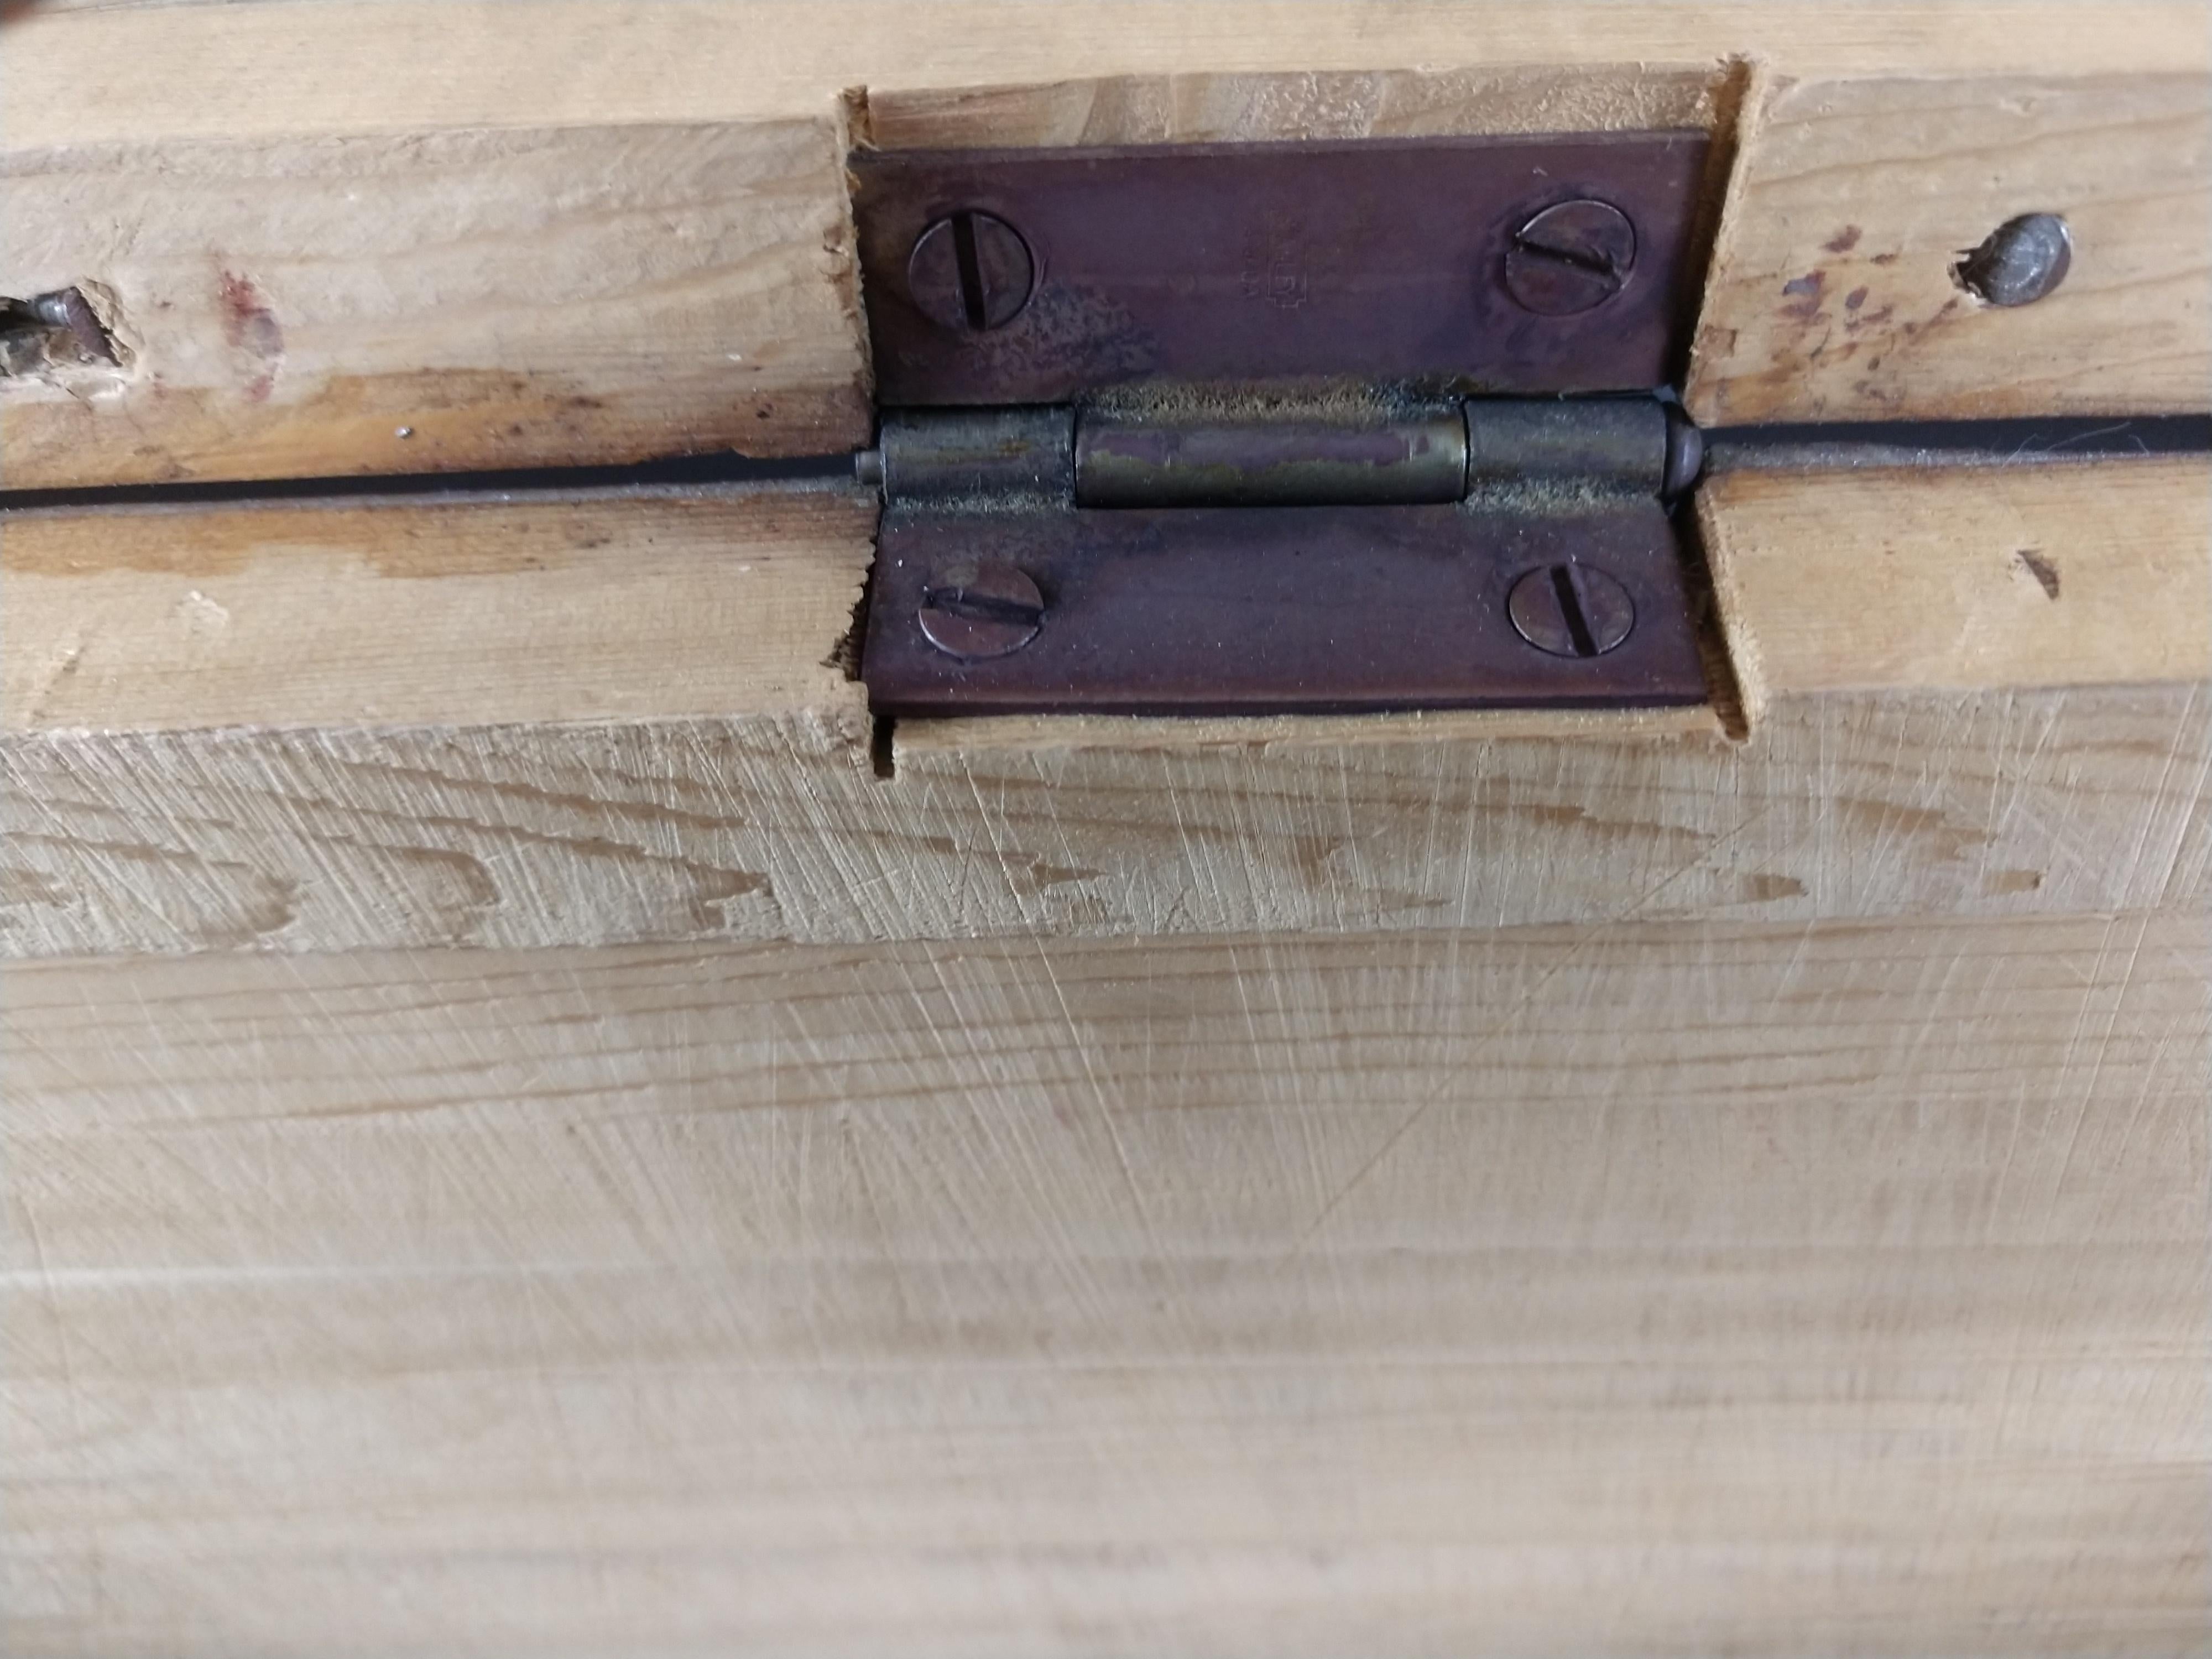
(52, 330)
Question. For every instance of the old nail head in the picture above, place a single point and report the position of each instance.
(1571, 257)
(981, 609)
(2018, 262)
(970, 272)
(1571, 610)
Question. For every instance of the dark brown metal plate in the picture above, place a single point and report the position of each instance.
(1375, 260)
(1263, 610)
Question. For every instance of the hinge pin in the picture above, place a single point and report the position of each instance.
(1102, 460)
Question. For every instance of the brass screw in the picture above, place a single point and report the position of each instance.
(970, 272)
(1571, 257)
(981, 609)
(1571, 610)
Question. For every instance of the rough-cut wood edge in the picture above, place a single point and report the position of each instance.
(1029, 733)
(1189, 107)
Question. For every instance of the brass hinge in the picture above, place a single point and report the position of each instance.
(1219, 429)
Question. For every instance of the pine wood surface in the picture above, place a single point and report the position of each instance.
(333, 238)
(610, 720)
(103, 71)
(1728, 1180)
(1667, 1288)
(436, 301)
(1831, 295)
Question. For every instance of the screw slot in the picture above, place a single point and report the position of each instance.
(970, 272)
(1571, 610)
(1570, 607)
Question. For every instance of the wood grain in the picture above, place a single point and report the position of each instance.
(2040, 576)
(1194, 108)
(1799, 1249)
(323, 250)
(635, 603)
(1664, 1290)
(1904, 758)
(293, 67)
(1831, 295)
(436, 301)
(2001, 803)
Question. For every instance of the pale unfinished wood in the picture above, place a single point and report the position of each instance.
(1194, 108)
(623, 605)
(2072, 776)
(1831, 295)
(2039, 577)
(338, 253)
(1670, 1289)
(437, 301)
(1917, 575)
(289, 67)
(777, 827)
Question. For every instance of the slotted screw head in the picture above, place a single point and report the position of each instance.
(981, 609)
(2018, 262)
(1571, 257)
(1571, 610)
(970, 272)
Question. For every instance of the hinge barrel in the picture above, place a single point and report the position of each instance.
(1099, 460)
(976, 455)
(1614, 443)
(1150, 462)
